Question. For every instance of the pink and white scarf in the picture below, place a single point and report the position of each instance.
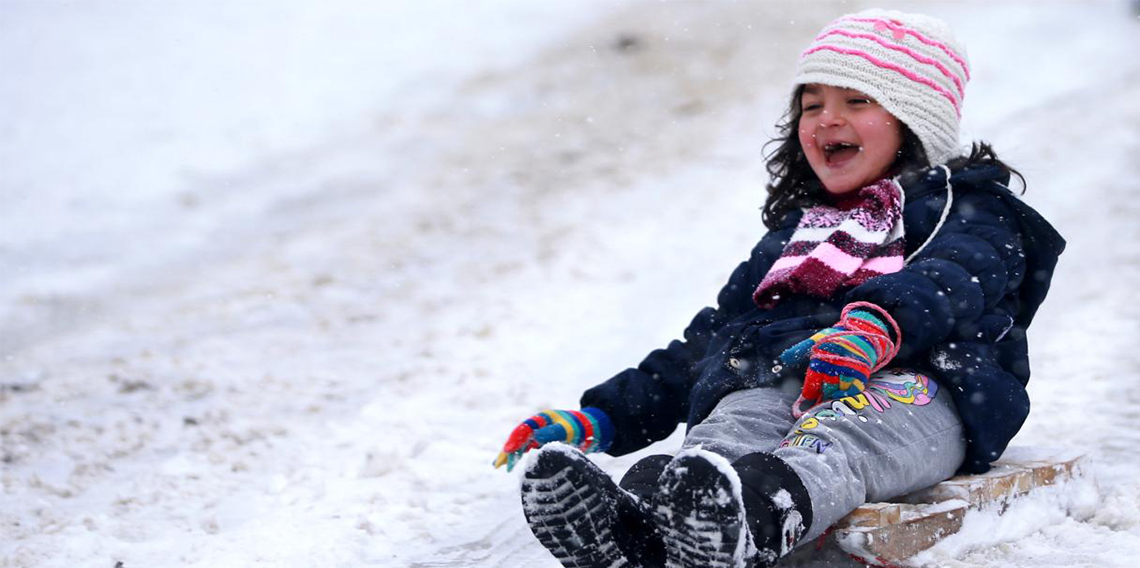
(840, 245)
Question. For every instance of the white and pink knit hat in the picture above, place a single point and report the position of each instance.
(910, 63)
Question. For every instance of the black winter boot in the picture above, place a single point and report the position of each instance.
(776, 503)
(642, 480)
(583, 518)
(714, 514)
(644, 477)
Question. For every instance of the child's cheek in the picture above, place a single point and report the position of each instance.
(807, 140)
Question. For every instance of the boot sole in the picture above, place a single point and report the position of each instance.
(701, 515)
(569, 504)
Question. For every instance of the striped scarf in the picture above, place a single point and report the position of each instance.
(838, 246)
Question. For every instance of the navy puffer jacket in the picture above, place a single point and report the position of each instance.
(963, 304)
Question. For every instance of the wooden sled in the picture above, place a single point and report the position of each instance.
(886, 534)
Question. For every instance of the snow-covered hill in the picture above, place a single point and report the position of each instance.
(275, 280)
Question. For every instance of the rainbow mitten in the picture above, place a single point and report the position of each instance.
(842, 357)
(589, 430)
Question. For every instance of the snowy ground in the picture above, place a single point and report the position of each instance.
(276, 280)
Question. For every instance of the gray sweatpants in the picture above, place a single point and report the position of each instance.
(898, 436)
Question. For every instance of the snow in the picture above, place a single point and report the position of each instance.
(278, 280)
(982, 531)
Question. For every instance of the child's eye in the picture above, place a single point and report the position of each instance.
(860, 100)
(810, 106)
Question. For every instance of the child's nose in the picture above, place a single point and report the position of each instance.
(832, 117)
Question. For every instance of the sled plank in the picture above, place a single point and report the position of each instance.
(884, 533)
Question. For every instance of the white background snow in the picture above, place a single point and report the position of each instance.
(276, 279)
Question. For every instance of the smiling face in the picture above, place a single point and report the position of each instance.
(848, 139)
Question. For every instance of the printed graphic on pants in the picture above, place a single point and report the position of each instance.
(891, 386)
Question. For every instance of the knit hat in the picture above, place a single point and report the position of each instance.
(910, 63)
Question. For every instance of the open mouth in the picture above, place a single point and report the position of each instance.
(839, 152)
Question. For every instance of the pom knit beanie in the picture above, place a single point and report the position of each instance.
(910, 63)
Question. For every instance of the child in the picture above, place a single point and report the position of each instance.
(886, 245)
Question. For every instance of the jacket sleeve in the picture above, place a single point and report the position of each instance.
(647, 402)
(974, 260)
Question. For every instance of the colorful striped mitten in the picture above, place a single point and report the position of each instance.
(589, 430)
(842, 357)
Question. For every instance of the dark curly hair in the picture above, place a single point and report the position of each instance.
(793, 184)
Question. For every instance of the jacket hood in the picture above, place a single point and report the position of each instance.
(1041, 242)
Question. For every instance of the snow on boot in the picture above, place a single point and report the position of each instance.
(714, 514)
(700, 512)
(579, 514)
(777, 505)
